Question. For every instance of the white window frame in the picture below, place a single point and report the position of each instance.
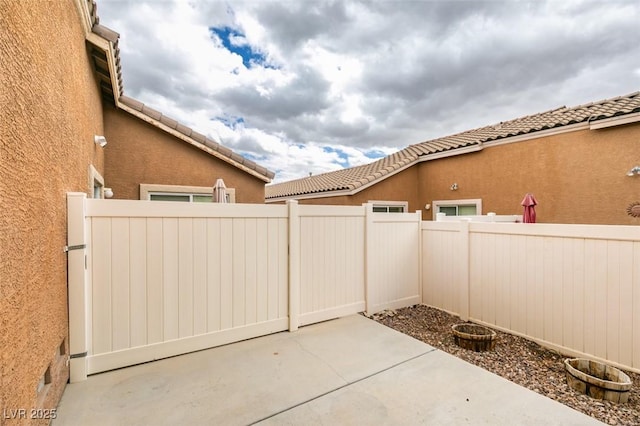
(147, 189)
(96, 183)
(387, 204)
(456, 203)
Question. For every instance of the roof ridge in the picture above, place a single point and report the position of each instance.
(604, 101)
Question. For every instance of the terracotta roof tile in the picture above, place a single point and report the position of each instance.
(198, 137)
(156, 115)
(355, 177)
(184, 129)
(130, 102)
(212, 144)
(169, 122)
(224, 150)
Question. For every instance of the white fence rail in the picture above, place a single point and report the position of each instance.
(572, 287)
(166, 278)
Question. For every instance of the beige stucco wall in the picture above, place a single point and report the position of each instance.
(138, 152)
(577, 177)
(50, 110)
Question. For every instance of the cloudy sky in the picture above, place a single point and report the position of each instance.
(313, 86)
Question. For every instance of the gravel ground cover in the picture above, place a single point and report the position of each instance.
(516, 359)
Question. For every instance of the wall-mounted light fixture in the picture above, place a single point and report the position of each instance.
(100, 140)
(454, 187)
(108, 193)
(634, 171)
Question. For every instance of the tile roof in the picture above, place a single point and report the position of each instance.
(106, 77)
(355, 177)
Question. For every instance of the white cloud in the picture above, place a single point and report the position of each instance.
(344, 79)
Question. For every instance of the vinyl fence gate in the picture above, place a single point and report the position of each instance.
(150, 280)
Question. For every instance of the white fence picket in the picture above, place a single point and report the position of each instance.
(572, 287)
(331, 262)
(168, 279)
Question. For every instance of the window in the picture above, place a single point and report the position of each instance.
(96, 183)
(390, 206)
(457, 207)
(186, 194)
(189, 198)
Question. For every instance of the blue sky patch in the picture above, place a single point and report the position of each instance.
(341, 154)
(235, 42)
(231, 122)
(374, 154)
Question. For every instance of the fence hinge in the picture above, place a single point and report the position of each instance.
(80, 355)
(76, 247)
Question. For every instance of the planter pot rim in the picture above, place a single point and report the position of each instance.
(621, 386)
(486, 332)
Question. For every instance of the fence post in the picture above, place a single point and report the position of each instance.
(76, 285)
(464, 269)
(420, 259)
(294, 265)
(368, 249)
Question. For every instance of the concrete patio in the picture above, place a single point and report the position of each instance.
(346, 371)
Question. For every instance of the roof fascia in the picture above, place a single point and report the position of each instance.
(615, 121)
(190, 141)
(452, 152)
(310, 196)
(538, 134)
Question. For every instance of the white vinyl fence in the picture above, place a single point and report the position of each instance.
(166, 278)
(572, 287)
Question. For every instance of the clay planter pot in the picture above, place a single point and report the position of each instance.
(597, 380)
(474, 337)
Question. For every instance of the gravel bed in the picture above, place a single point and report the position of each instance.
(516, 359)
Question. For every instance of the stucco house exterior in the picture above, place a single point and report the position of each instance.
(574, 160)
(61, 93)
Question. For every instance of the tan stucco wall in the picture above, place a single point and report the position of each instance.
(50, 110)
(138, 152)
(399, 187)
(577, 177)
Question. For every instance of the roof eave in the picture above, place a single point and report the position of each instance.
(615, 121)
(107, 47)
